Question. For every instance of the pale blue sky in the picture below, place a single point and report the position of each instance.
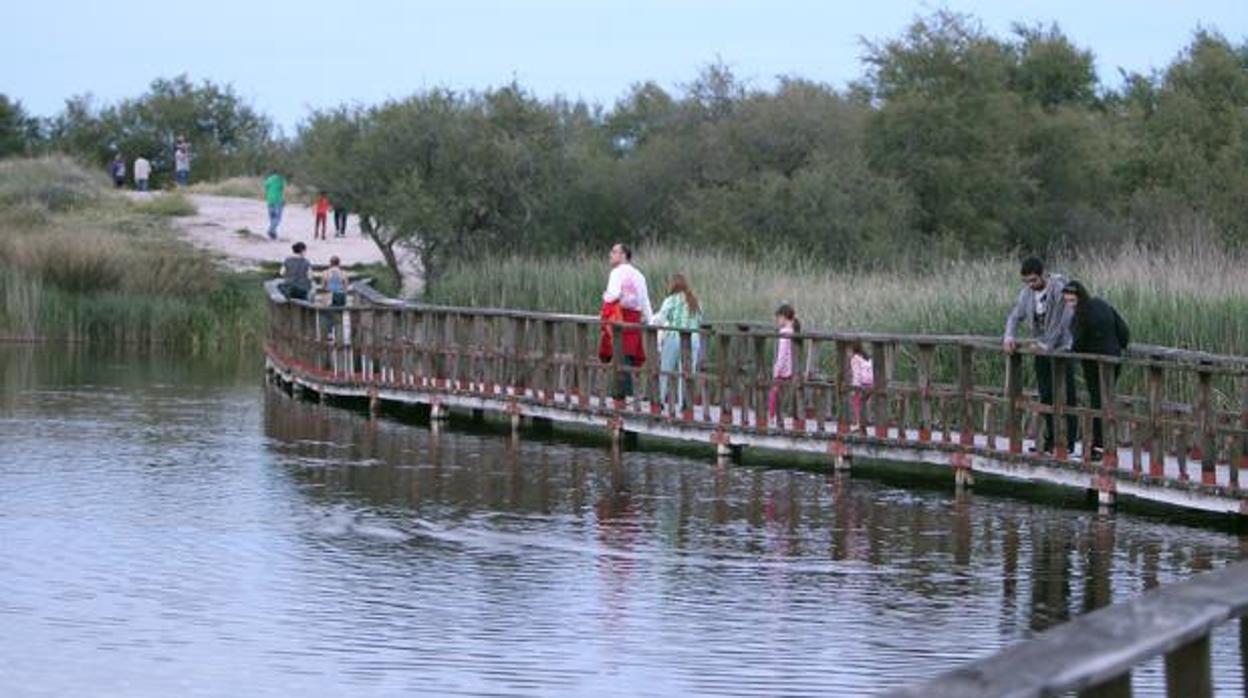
(287, 56)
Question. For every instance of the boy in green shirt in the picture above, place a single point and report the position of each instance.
(275, 197)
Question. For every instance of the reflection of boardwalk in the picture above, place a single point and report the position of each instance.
(543, 366)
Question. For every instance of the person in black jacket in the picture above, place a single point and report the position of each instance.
(1097, 328)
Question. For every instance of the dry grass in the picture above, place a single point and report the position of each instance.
(1191, 295)
(77, 260)
(244, 188)
(166, 204)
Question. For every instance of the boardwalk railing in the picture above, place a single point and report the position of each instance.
(1094, 654)
(1181, 437)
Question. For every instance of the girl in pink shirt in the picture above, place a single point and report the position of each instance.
(782, 369)
(862, 379)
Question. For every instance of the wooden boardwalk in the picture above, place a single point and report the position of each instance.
(1181, 442)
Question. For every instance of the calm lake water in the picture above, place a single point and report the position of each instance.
(174, 528)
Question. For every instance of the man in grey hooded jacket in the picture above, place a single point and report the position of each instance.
(1040, 308)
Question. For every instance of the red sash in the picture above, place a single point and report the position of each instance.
(633, 346)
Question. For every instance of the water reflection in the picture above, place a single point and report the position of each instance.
(169, 528)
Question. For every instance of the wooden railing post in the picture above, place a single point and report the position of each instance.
(926, 357)
(1061, 435)
(1206, 428)
(685, 370)
(801, 354)
(844, 388)
(1156, 429)
(581, 356)
(617, 365)
(762, 383)
(966, 386)
(1188, 670)
(879, 389)
(1014, 401)
(727, 379)
(519, 357)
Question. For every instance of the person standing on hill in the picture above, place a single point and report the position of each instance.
(275, 199)
(182, 162)
(117, 171)
(142, 173)
(1097, 328)
(340, 221)
(626, 300)
(321, 209)
(1040, 308)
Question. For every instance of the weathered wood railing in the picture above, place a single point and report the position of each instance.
(956, 400)
(1095, 654)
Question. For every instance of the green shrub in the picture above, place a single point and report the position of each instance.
(167, 204)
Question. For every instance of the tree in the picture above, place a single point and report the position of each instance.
(19, 132)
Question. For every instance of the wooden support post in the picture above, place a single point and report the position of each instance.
(879, 388)
(966, 386)
(926, 357)
(686, 368)
(843, 388)
(1061, 435)
(1188, 670)
(1014, 401)
(801, 351)
(1206, 428)
(762, 383)
(1156, 429)
(519, 357)
(582, 354)
(650, 377)
(727, 379)
(617, 366)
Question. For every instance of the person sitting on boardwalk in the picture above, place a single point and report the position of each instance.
(782, 368)
(296, 272)
(679, 311)
(861, 379)
(626, 300)
(1040, 308)
(1097, 329)
(321, 224)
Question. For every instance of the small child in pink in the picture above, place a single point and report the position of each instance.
(782, 369)
(862, 379)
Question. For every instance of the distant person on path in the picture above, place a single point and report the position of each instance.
(142, 172)
(782, 368)
(340, 221)
(1040, 308)
(321, 209)
(681, 310)
(117, 170)
(861, 379)
(182, 162)
(1098, 329)
(626, 300)
(297, 274)
(275, 198)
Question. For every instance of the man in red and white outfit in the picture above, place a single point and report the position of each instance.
(626, 300)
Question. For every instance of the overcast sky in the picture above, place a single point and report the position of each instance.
(286, 56)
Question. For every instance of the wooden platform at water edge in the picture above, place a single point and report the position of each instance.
(954, 402)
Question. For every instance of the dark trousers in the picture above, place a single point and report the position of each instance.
(1044, 380)
(340, 221)
(624, 379)
(1092, 376)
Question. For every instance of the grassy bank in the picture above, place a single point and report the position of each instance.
(1193, 296)
(81, 262)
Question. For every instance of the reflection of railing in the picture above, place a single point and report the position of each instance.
(938, 398)
(1094, 654)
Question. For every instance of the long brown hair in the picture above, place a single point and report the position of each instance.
(680, 284)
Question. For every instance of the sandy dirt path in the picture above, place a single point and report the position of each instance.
(236, 228)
